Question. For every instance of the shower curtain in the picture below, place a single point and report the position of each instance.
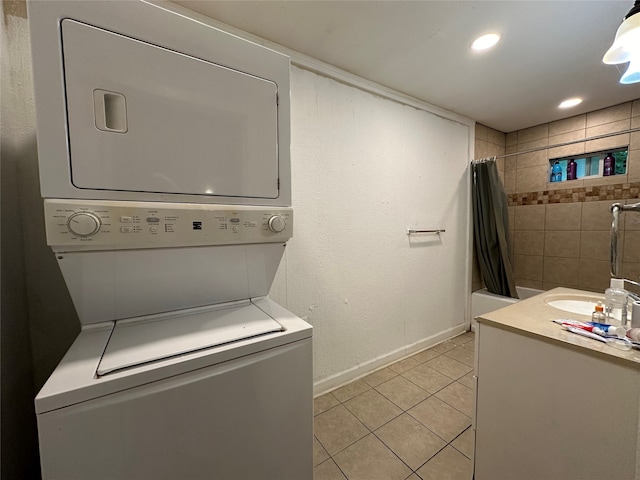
(491, 229)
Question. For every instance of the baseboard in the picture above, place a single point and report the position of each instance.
(325, 385)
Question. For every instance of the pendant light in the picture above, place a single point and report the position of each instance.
(626, 46)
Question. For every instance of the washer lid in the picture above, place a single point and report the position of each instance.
(156, 337)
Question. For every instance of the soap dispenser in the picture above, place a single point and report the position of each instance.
(616, 298)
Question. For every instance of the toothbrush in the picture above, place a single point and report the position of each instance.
(584, 333)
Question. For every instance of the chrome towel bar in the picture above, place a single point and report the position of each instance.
(437, 232)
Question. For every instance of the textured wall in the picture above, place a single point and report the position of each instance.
(364, 169)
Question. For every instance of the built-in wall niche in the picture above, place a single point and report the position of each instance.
(590, 165)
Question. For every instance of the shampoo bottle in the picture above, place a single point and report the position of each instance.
(608, 165)
(556, 172)
(572, 169)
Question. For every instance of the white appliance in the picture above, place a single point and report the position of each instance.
(164, 163)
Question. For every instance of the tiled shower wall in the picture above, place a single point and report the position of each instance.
(560, 232)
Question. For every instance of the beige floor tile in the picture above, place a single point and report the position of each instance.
(448, 464)
(449, 367)
(328, 471)
(444, 346)
(470, 345)
(425, 355)
(468, 380)
(442, 419)
(381, 376)
(414, 477)
(464, 442)
(411, 441)
(372, 409)
(462, 354)
(467, 337)
(427, 378)
(370, 459)
(338, 428)
(402, 392)
(324, 403)
(350, 390)
(458, 396)
(404, 365)
(319, 453)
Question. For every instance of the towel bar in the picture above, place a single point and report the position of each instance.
(437, 232)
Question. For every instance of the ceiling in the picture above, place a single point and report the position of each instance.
(550, 50)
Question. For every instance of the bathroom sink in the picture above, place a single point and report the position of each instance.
(580, 304)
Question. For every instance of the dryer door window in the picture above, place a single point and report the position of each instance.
(147, 119)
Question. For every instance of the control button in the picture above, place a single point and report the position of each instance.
(153, 219)
(124, 219)
(153, 229)
(83, 224)
(277, 223)
(126, 229)
(234, 220)
(235, 228)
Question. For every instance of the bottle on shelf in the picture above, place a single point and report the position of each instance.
(556, 172)
(608, 165)
(572, 169)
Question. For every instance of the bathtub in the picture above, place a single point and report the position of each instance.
(483, 301)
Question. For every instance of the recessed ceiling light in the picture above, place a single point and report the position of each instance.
(571, 102)
(485, 41)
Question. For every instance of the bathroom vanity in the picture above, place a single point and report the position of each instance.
(551, 404)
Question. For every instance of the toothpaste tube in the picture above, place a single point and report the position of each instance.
(609, 329)
(565, 322)
(602, 329)
(616, 342)
(584, 333)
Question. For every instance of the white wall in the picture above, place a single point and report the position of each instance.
(365, 168)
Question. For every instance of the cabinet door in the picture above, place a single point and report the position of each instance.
(548, 411)
(147, 119)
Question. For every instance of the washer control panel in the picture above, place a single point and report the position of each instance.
(92, 224)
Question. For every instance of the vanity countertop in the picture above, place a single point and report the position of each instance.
(533, 317)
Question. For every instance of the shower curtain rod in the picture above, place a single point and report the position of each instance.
(597, 137)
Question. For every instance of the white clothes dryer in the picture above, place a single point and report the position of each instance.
(164, 164)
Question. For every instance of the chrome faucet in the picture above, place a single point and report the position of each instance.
(632, 295)
(616, 208)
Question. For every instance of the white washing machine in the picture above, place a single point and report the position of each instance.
(164, 163)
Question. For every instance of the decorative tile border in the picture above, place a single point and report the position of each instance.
(617, 191)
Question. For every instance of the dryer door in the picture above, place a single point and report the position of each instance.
(147, 119)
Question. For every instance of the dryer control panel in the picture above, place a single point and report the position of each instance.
(108, 225)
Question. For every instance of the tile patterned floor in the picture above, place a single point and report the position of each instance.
(408, 421)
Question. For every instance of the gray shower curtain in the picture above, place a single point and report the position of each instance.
(491, 229)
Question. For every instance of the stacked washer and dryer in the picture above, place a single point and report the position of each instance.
(164, 166)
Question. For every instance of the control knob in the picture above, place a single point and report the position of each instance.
(277, 223)
(83, 224)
